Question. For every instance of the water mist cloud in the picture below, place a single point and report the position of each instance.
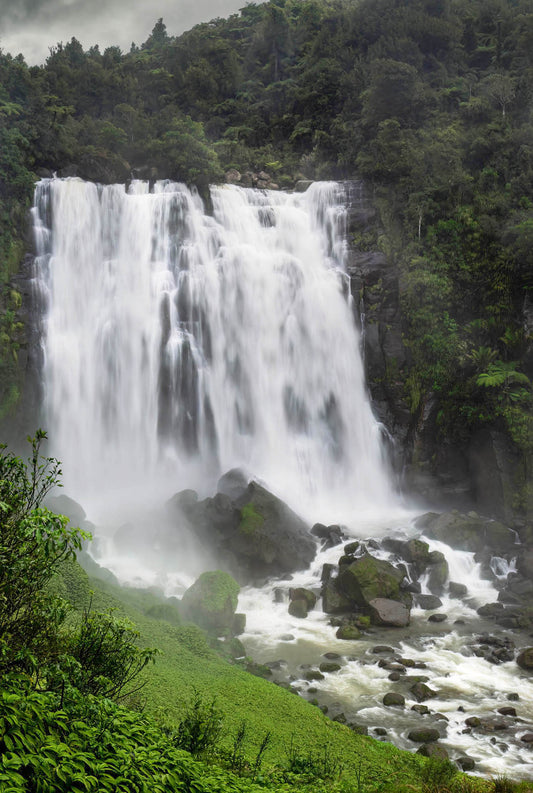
(33, 26)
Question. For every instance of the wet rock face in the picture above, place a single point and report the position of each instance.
(467, 532)
(255, 533)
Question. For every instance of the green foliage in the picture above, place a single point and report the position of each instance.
(200, 729)
(34, 543)
(107, 658)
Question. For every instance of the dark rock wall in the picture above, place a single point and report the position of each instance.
(485, 471)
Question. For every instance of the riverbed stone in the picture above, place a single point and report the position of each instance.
(424, 735)
(329, 666)
(437, 618)
(421, 709)
(298, 608)
(525, 659)
(428, 602)
(507, 710)
(457, 590)
(348, 632)
(384, 611)
(393, 699)
(466, 763)
(300, 593)
(421, 692)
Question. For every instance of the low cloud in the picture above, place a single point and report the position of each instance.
(32, 27)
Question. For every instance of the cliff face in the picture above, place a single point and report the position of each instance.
(485, 470)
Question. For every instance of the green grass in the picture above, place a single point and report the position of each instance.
(188, 665)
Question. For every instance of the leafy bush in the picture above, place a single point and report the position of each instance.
(200, 728)
(34, 542)
(107, 656)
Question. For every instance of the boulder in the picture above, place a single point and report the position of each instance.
(211, 602)
(368, 578)
(470, 532)
(392, 699)
(421, 692)
(329, 666)
(299, 593)
(424, 735)
(466, 763)
(428, 602)
(384, 611)
(330, 535)
(64, 505)
(332, 600)
(233, 483)
(524, 562)
(457, 590)
(416, 552)
(298, 608)
(348, 632)
(525, 659)
(256, 532)
(438, 572)
(270, 538)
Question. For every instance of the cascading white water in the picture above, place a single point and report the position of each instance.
(178, 345)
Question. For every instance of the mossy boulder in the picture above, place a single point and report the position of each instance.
(424, 735)
(368, 578)
(468, 532)
(256, 534)
(348, 632)
(211, 602)
(270, 539)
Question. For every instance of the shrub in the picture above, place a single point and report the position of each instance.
(34, 543)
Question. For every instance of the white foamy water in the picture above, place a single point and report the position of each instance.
(178, 345)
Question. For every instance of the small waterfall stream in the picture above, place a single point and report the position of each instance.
(178, 344)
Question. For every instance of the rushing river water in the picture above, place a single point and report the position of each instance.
(178, 344)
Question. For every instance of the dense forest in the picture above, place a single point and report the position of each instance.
(428, 101)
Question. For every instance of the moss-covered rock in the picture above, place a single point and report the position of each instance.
(469, 532)
(211, 602)
(368, 578)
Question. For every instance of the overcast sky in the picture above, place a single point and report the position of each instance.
(32, 26)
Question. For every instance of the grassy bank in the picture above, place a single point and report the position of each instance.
(329, 755)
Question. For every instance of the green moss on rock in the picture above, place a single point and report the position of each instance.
(211, 602)
(251, 520)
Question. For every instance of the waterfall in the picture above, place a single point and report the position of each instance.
(179, 344)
